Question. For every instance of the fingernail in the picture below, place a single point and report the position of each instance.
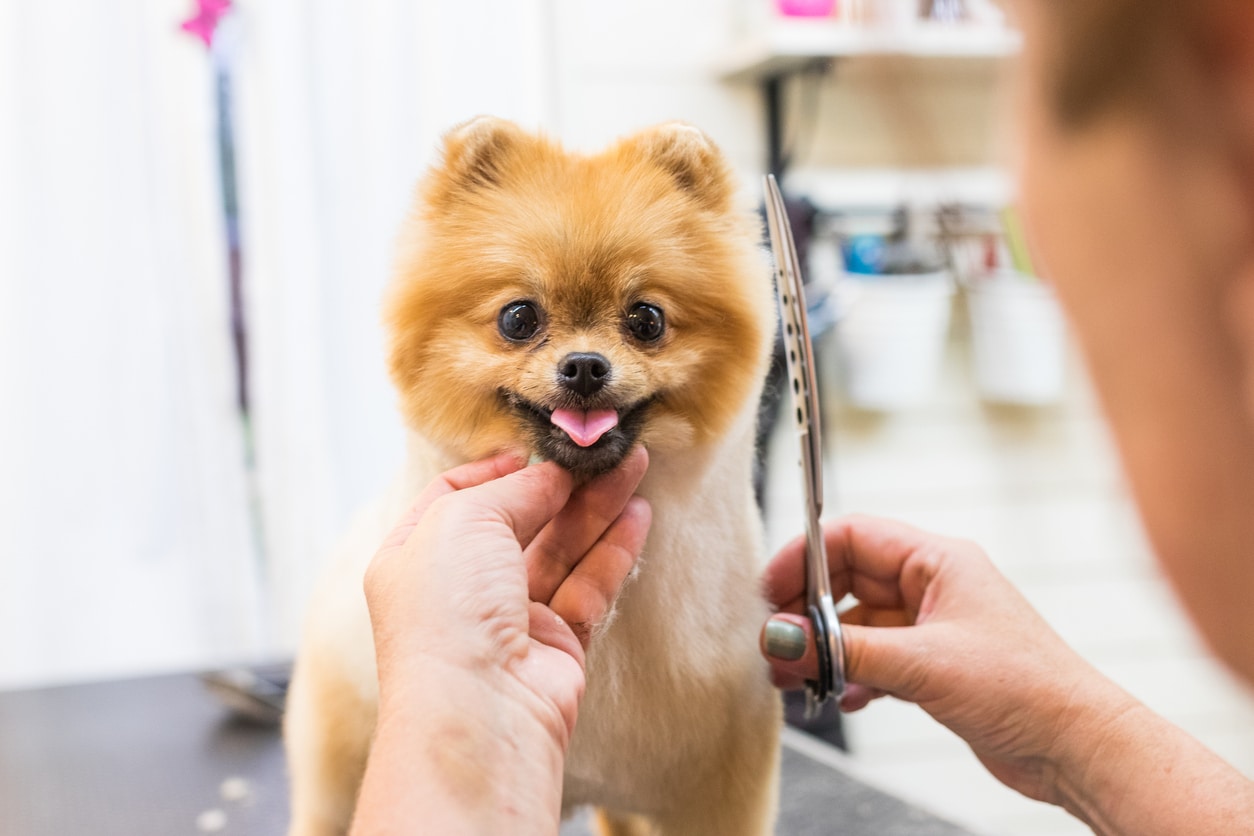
(784, 640)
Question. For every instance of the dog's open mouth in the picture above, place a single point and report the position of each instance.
(587, 442)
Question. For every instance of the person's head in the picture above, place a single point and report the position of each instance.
(1137, 180)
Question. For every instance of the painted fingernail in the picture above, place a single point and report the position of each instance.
(784, 640)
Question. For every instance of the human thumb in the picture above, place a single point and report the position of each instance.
(877, 659)
(882, 660)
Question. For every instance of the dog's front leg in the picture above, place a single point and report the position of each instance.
(327, 729)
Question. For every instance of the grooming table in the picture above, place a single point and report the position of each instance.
(160, 756)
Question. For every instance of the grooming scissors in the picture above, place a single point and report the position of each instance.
(792, 305)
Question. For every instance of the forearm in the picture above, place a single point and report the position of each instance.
(1140, 775)
(453, 757)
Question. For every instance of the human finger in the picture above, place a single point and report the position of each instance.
(865, 555)
(550, 628)
(858, 696)
(788, 673)
(525, 500)
(592, 508)
(588, 592)
(866, 616)
(562, 683)
(787, 642)
(459, 478)
(878, 661)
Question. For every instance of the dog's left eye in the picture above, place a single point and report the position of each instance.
(645, 322)
(519, 321)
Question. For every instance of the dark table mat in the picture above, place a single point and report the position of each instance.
(153, 757)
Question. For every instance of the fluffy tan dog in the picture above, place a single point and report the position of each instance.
(570, 307)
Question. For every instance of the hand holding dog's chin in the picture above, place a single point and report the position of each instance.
(479, 682)
(504, 571)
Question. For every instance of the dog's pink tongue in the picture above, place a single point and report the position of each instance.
(584, 428)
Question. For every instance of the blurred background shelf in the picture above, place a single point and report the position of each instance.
(783, 46)
(774, 49)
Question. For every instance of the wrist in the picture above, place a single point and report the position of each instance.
(1090, 751)
(1140, 774)
(467, 750)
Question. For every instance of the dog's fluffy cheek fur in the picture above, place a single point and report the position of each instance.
(467, 419)
(720, 366)
(722, 369)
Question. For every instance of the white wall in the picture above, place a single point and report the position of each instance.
(623, 66)
(124, 534)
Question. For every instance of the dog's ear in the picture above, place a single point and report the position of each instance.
(692, 160)
(476, 152)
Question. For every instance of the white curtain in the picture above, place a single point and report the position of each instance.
(340, 107)
(125, 542)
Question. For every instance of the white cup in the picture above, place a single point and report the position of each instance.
(1018, 339)
(891, 338)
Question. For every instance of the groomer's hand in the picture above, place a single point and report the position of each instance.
(936, 624)
(482, 601)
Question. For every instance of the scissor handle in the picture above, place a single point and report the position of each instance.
(821, 607)
(820, 688)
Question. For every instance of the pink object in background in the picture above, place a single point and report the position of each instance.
(806, 8)
(203, 23)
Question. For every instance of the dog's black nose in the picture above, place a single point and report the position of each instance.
(583, 372)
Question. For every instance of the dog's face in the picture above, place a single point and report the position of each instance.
(572, 306)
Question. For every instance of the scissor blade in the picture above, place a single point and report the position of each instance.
(797, 345)
(797, 351)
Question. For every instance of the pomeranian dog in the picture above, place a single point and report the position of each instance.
(568, 307)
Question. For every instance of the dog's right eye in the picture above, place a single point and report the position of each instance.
(519, 321)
